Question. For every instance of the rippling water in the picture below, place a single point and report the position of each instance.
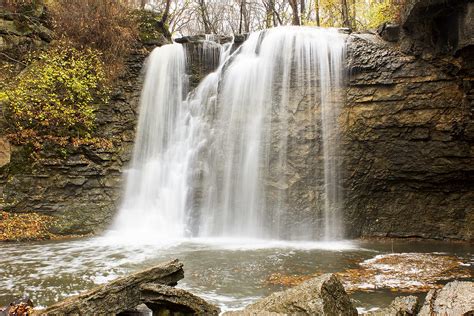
(228, 272)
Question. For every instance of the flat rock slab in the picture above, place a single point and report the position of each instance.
(164, 300)
(119, 295)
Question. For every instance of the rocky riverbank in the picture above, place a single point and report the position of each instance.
(153, 289)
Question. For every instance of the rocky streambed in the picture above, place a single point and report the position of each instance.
(232, 274)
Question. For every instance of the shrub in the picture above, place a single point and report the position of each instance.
(58, 93)
(104, 25)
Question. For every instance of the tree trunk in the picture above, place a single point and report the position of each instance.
(302, 12)
(316, 8)
(294, 8)
(166, 13)
(205, 17)
(354, 15)
(345, 14)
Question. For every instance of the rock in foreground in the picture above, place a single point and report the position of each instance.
(455, 298)
(323, 295)
(119, 295)
(400, 306)
(163, 299)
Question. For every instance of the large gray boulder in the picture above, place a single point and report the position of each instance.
(455, 298)
(323, 295)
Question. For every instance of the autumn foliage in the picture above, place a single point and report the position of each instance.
(107, 26)
(58, 93)
(25, 226)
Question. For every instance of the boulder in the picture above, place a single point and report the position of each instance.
(389, 32)
(119, 295)
(455, 298)
(400, 306)
(164, 300)
(323, 295)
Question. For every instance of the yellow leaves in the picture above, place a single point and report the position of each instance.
(25, 226)
(58, 93)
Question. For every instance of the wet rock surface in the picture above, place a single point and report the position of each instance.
(323, 295)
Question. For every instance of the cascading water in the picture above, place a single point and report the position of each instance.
(217, 163)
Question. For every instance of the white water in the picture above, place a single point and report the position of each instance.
(202, 165)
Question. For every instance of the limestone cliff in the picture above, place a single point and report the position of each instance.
(406, 148)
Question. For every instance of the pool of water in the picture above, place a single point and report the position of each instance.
(230, 273)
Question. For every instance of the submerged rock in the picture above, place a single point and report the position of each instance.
(455, 298)
(400, 306)
(323, 295)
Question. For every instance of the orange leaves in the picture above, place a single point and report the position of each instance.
(25, 226)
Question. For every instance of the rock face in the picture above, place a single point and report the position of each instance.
(83, 188)
(323, 295)
(437, 26)
(408, 136)
(455, 298)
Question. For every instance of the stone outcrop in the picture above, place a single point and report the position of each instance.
(119, 295)
(455, 298)
(400, 306)
(323, 295)
(82, 189)
(437, 26)
(408, 133)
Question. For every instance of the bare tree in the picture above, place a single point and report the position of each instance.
(294, 8)
(345, 14)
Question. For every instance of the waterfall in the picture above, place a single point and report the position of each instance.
(219, 162)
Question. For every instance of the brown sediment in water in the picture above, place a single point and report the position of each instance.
(404, 272)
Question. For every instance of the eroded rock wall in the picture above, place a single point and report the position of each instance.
(408, 141)
(82, 189)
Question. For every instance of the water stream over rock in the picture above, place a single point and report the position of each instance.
(215, 164)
